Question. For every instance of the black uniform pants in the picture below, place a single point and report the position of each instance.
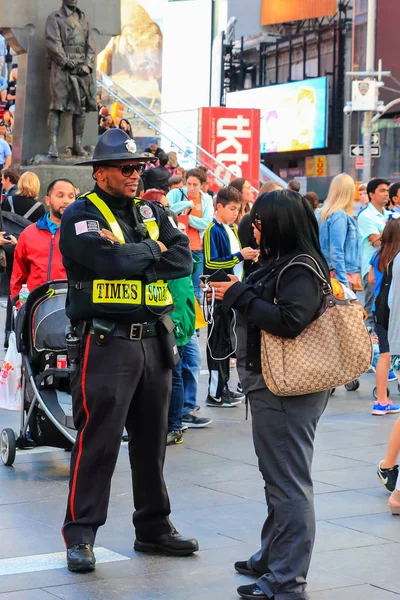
(123, 383)
(219, 345)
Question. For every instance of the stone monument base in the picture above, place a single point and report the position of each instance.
(81, 177)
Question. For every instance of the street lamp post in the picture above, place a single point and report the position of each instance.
(365, 93)
(370, 68)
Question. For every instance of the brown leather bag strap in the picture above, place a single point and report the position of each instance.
(326, 288)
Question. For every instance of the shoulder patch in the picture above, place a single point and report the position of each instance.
(146, 212)
(86, 227)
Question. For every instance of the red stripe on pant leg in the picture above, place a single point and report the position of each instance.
(80, 449)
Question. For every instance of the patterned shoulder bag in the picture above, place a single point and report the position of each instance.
(333, 350)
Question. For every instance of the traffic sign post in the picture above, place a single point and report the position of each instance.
(375, 138)
(359, 150)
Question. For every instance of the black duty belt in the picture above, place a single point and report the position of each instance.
(133, 331)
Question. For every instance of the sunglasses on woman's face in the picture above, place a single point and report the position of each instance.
(257, 223)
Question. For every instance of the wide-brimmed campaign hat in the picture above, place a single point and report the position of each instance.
(115, 144)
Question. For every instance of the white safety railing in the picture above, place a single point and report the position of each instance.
(153, 120)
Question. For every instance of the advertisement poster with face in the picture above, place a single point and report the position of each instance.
(156, 60)
(134, 58)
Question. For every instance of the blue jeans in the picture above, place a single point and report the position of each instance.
(198, 292)
(184, 383)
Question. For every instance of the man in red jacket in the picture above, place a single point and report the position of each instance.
(37, 256)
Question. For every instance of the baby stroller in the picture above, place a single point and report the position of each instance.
(46, 407)
(353, 386)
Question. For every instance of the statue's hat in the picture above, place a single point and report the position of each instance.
(115, 144)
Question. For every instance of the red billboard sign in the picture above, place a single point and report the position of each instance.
(232, 136)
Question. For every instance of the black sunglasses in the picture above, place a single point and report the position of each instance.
(257, 222)
(127, 170)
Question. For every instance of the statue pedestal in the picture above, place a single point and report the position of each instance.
(81, 177)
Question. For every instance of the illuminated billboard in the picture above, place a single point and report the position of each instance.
(283, 11)
(150, 58)
(293, 115)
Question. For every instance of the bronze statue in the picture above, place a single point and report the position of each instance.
(72, 60)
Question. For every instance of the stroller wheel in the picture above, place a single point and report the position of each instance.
(375, 393)
(8, 447)
(352, 386)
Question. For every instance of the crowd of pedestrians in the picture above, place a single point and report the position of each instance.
(350, 242)
(8, 91)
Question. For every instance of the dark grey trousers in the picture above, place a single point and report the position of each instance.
(283, 433)
(369, 295)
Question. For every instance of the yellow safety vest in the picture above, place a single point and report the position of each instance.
(145, 211)
(129, 291)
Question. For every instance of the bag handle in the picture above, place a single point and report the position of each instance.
(183, 195)
(326, 287)
(318, 266)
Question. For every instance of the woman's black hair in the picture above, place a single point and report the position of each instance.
(129, 132)
(287, 224)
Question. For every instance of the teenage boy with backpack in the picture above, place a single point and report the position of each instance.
(222, 250)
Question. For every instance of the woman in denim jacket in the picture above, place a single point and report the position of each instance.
(338, 231)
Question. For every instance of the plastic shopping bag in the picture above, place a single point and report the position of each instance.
(10, 377)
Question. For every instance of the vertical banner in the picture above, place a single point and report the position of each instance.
(310, 170)
(321, 166)
(232, 136)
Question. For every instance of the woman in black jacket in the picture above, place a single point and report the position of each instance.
(25, 202)
(283, 427)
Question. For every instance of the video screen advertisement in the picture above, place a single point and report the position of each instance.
(293, 115)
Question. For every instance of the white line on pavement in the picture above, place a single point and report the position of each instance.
(45, 562)
(40, 450)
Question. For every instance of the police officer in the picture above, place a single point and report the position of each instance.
(118, 251)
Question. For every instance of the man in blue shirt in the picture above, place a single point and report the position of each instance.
(371, 222)
(394, 195)
(5, 154)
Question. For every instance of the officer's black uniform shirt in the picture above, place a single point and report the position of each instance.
(87, 256)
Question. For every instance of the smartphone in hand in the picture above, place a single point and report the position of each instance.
(218, 276)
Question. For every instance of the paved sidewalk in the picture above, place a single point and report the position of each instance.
(217, 496)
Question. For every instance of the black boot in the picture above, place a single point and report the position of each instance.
(53, 124)
(80, 558)
(171, 544)
(78, 127)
